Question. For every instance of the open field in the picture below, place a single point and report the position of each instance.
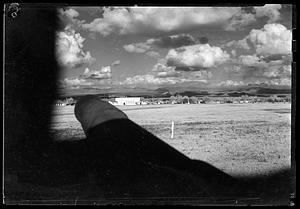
(240, 139)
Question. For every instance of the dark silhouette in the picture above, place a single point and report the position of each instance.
(134, 160)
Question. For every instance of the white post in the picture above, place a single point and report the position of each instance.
(172, 133)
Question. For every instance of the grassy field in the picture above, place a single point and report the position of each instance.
(240, 139)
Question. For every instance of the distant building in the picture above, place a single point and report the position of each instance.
(128, 101)
(59, 103)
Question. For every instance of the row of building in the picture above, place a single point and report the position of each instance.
(192, 100)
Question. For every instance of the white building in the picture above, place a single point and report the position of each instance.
(128, 101)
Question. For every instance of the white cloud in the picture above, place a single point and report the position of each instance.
(231, 83)
(240, 20)
(69, 48)
(168, 74)
(281, 82)
(75, 82)
(250, 60)
(146, 80)
(153, 54)
(269, 10)
(278, 71)
(233, 53)
(149, 45)
(161, 67)
(163, 71)
(137, 47)
(197, 56)
(242, 44)
(151, 20)
(173, 41)
(272, 39)
(142, 48)
(204, 75)
(104, 73)
(70, 15)
(154, 20)
(150, 80)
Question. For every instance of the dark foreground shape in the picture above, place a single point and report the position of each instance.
(129, 160)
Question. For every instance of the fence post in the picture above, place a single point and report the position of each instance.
(172, 128)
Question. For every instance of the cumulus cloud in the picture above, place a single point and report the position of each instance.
(281, 82)
(230, 83)
(272, 59)
(137, 47)
(252, 67)
(154, 20)
(151, 20)
(69, 16)
(164, 71)
(272, 39)
(250, 60)
(69, 13)
(148, 47)
(69, 49)
(203, 75)
(278, 72)
(242, 44)
(88, 78)
(239, 20)
(269, 10)
(196, 57)
(244, 18)
(75, 81)
(153, 54)
(150, 80)
(141, 48)
(168, 74)
(146, 80)
(104, 73)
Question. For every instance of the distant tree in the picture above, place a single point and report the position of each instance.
(172, 98)
(185, 99)
(206, 100)
(270, 99)
(179, 99)
(228, 100)
(193, 100)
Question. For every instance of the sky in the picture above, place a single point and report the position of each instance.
(151, 47)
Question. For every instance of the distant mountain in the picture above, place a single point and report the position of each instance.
(238, 94)
(192, 93)
(273, 91)
(167, 91)
(162, 90)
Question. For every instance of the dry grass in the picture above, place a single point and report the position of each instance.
(241, 139)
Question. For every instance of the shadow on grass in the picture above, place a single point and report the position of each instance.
(120, 161)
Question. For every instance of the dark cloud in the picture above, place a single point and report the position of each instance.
(188, 69)
(174, 41)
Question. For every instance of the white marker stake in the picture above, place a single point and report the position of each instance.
(172, 133)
